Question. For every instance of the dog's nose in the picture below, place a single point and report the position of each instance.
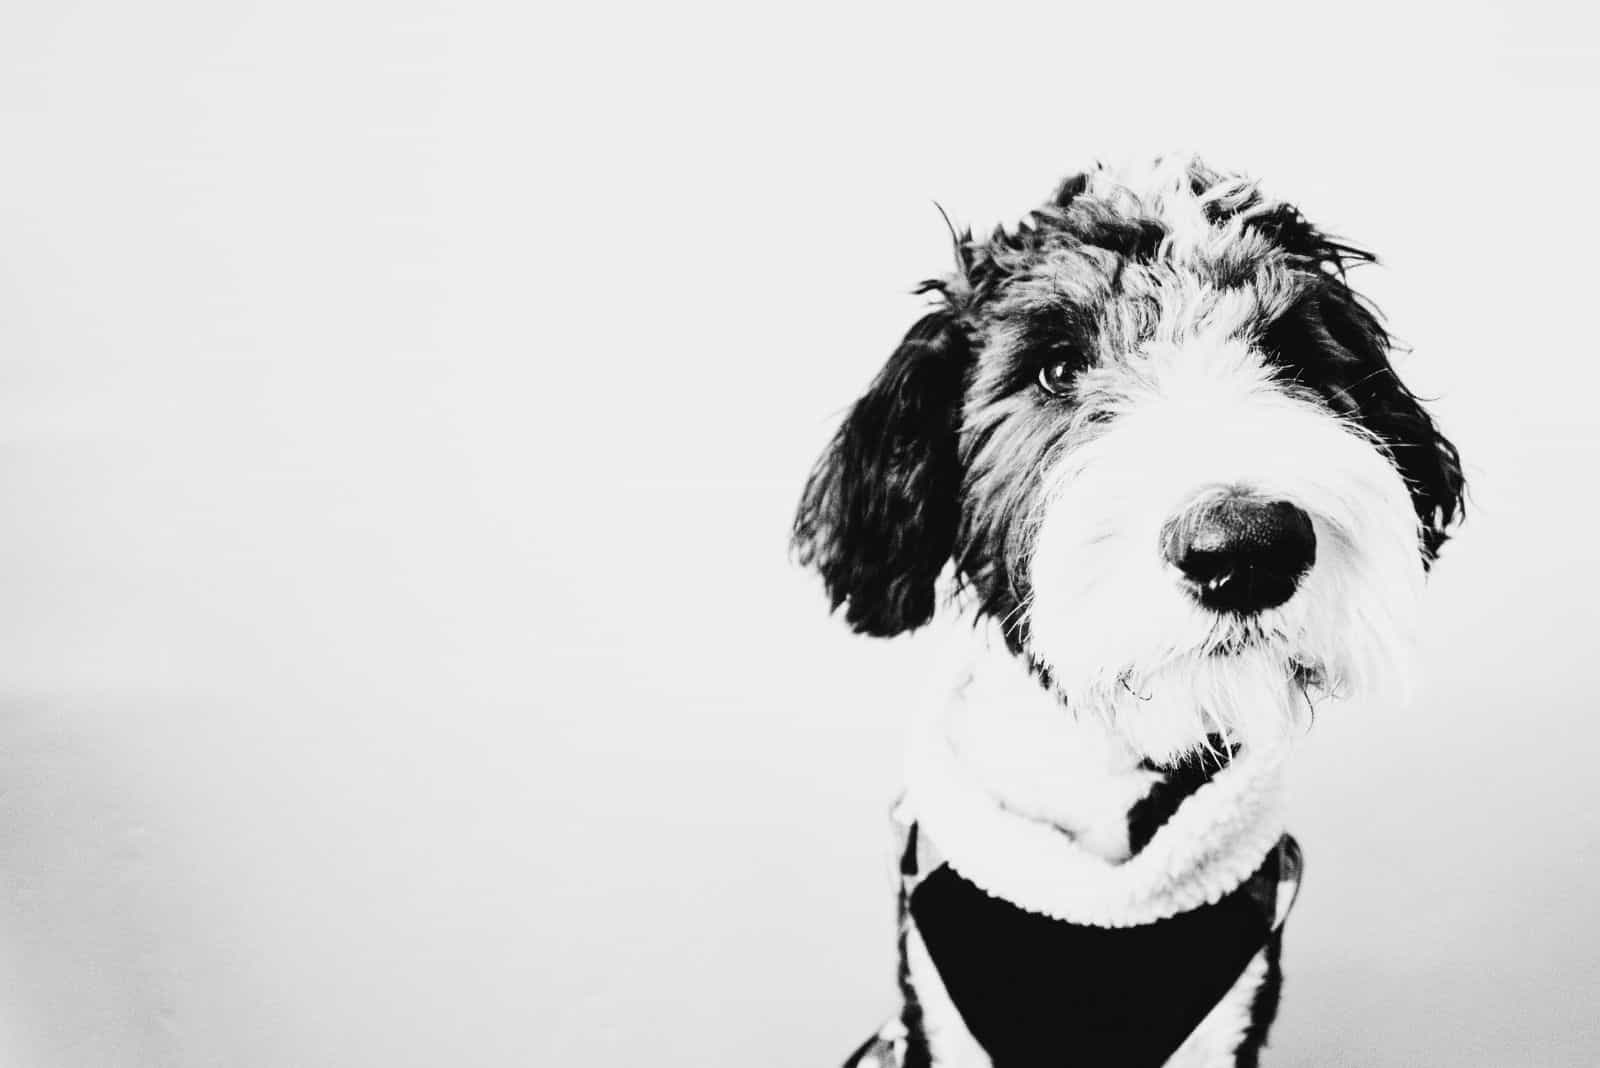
(1242, 554)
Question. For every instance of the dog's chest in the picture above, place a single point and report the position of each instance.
(1231, 1031)
(1064, 902)
(996, 985)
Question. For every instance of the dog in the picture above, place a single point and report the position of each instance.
(1151, 442)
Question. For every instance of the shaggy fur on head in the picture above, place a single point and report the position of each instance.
(1142, 345)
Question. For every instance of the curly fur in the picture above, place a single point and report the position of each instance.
(878, 514)
(1147, 348)
(924, 468)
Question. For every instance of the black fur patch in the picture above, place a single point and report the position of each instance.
(878, 518)
(1151, 812)
(1332, 342)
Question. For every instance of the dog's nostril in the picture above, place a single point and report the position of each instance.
(1242, 554)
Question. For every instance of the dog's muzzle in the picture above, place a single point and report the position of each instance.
(1241, 554)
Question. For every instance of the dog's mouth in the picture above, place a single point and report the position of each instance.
(1232, 647)
(1237, 637)
(1308, 676)
(1302, 673)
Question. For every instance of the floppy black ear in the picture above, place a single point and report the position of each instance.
(879, 513)
(1429, 462)
(1333, 339)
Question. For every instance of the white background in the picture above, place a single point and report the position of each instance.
(401, 410)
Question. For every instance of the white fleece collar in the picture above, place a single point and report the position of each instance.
(1217, 837)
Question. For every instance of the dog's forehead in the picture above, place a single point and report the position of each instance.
(1184, 197)
(1137, 253)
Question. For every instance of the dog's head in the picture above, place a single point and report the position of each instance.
(1160, 439)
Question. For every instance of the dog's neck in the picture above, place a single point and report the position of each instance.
(1040, 760)
(1055, 814)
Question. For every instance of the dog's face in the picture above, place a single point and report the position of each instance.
(1161, 440)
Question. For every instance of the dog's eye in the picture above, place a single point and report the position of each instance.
(1055, 378)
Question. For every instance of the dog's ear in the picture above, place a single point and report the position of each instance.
(878, 517)
(1429, 462)
(1333, 337)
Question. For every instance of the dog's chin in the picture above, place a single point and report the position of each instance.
(1246, 695)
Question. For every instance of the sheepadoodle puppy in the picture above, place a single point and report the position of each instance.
(1151, 442)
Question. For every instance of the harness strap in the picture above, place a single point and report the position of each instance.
(1024, 983)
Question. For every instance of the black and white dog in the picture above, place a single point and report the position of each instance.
(1184, 496)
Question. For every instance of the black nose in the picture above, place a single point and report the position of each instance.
(1242, 554)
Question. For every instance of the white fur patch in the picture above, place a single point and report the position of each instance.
(1120, 636)
(1217, 838)
(1024, 748)
(1162, 189)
